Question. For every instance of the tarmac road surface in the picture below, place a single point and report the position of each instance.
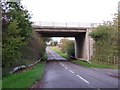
(60, 73)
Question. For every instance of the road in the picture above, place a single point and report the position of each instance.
(52, 55)
(64, 74)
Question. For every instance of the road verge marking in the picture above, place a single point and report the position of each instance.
(82, 79)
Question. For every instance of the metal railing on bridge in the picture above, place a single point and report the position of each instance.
(66, 24)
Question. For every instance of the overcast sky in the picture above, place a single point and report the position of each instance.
(93, 11)
(71, 10)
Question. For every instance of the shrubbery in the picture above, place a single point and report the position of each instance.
(106, 43)
(20, 43)
(67, 46)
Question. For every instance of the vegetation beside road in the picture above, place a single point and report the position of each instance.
(67, 46)
(21, 45)
(94, 64)
(60, 53)
(0, 84)
(106, 42)
(25, 79)
(85, 63)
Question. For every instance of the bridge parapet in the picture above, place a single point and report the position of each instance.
(65, 24)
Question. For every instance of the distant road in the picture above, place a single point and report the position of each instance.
(52, 55)
(64, 74)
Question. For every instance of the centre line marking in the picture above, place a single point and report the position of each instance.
(65, 67)
(71, 71)
(83, 79)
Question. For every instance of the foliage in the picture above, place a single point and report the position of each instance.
(12, 43)
(16, 29)
(63, 44)
(70, 49)
(100, 33)
(106, 43)
(93, 64)
(64, 55)
(45, 57)
(20, 42)
(24, 79)
(67, 46)
(53, 43)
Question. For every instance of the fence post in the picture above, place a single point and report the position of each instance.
(78, 25)
(40, 23)
(66, 24)
(108, 59)
(53, 24)
(114, 59)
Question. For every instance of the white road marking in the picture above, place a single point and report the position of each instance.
(82, 79)
(62, 64)
(71, 71)
(65, 67)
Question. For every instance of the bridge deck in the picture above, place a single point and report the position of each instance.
(59, 27)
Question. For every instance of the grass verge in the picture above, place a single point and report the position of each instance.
(24, 79)
(60, 53)
(94, 64)
(84, 63)
(0, 84)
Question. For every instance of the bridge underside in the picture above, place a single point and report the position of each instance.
(81, 39)
(60, 34)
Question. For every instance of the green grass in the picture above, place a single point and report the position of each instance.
(0, 84)
(24, 79)
(85, 63)
(93, 64)
(60, 53)
(45, 57)
(0, 50)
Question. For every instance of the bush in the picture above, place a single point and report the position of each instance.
(70, 49)
(19, 42)
(67, 46)
(34, 49)
(105, 46)
(45, 57)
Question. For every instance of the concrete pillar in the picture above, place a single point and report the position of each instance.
(79, 44)
(83, 46)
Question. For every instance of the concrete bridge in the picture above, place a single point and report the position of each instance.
(83, 42)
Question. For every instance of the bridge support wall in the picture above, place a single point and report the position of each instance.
(83, 46)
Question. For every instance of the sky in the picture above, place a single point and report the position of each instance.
(84, 11)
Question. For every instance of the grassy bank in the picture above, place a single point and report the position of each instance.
(24, 79)
(0, 64)
(60, 53)
(0, 84)
(94, 64)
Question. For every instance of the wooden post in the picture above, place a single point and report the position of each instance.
(66, 24)
(40, 23)
(108, 59)
(53, 24)
(114, 59)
